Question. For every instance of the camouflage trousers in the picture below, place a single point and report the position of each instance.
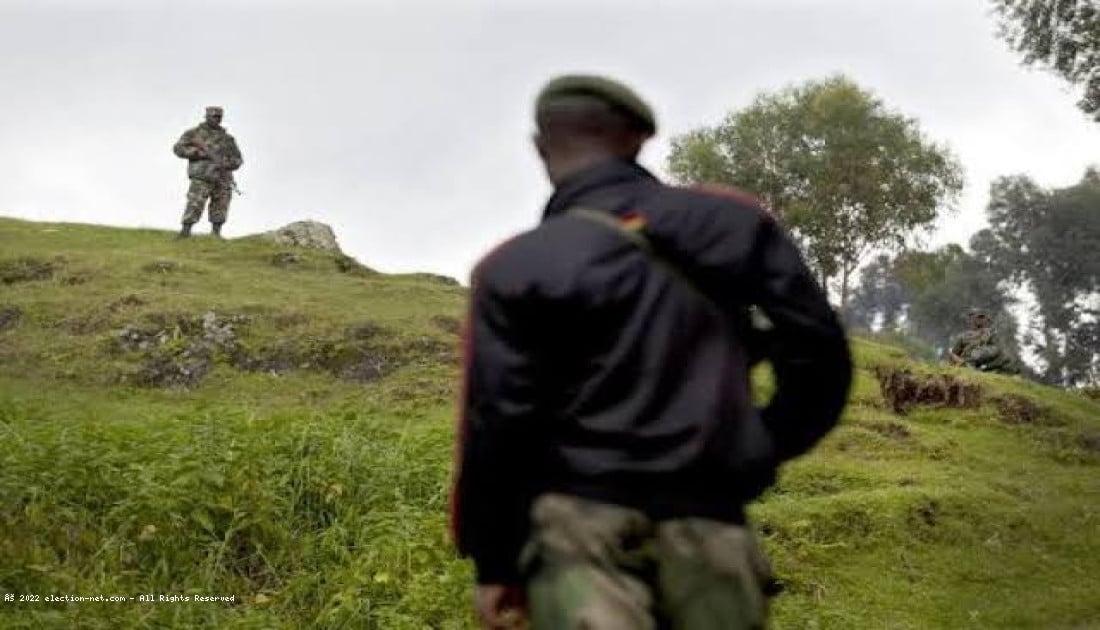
(597, 566)
(219, 193)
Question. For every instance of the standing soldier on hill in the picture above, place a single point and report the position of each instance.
(212, 156)
(608, 440)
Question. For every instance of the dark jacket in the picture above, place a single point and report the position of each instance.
(595, 370)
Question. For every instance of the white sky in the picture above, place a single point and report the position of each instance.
(405, 125)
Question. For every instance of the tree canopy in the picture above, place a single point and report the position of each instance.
(1060, 35)
(926, 294)
(845, 174)
(1047, 242)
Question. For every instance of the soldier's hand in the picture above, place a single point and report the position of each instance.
(501, 606)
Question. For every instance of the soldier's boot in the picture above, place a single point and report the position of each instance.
(185, 231)
(217, 227)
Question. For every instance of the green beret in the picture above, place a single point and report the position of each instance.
(607, 90)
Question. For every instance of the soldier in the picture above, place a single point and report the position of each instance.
(978, 347)
(608, 441)
(212, 156)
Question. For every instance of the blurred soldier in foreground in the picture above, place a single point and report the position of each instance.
(978, 347)
(608, 440)
(212, 156)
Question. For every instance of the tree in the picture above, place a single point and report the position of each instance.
(926, 294)
(879, 301)
(846, 175)
(1060, 35)
(1047, 242)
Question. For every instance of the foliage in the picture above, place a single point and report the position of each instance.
(926, 295)
(879, 301)
(847, 175)
(1060, 35)
(318, 502)
(1048, 242)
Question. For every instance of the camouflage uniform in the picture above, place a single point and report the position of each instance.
(978, 348)
(597, 565)
(212, 156)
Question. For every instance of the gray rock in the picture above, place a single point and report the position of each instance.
(308, 234)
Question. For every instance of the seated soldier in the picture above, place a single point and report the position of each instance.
(978, 347)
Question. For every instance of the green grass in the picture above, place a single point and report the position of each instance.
(319, 500)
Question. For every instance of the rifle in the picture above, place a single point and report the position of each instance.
(220, 167)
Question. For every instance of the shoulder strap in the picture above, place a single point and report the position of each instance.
(632, 228)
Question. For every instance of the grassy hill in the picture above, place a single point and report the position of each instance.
(205, 418)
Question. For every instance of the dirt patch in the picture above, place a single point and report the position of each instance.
(286, 259)
(364, 352)
(925, 513)
(1089, 442)
(283, 321)
(29, 269)
(86, 324)
(125, 302)
(1071, 446)
(75, 278)
(97, 320)
(10, 317)
(450, 325)
(902, 390)
(437, 279)
(177, 350)
(347, 264)
(1014, 409)
(364, 331)
(889, 429)
(162, 266)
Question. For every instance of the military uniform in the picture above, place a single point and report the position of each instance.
(608, 439)
(212, 156)
(978, 348)
(604, 566)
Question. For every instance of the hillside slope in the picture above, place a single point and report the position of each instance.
(205, 418)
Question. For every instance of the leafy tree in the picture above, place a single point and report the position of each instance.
(1060, 35)
(937, 311)
(879, 299)
(1048, 243)
(926, 295)
(846, 175)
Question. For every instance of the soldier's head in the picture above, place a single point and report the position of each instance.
(977, 318)
(583, 119)
(214, 115)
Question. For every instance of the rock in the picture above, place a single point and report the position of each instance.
(178, 350)
(307, 234)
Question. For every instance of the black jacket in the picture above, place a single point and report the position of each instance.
(596, 370)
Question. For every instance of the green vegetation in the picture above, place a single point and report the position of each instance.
(304, 467)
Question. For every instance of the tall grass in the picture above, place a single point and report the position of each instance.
(320, 502)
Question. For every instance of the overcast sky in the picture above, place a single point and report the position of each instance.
(406, 125)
